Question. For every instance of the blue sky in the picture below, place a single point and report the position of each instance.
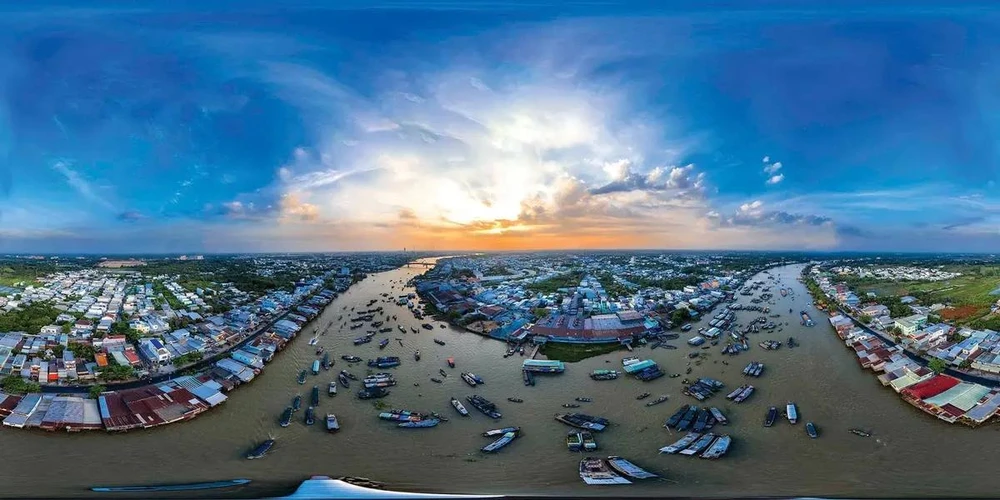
(499, 125)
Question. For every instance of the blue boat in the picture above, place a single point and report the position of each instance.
(297, 402)
(384, 362)
(420, 424)
(383, 343)
(260, 450)
(315, 367)
(500, 443)
(302, 377)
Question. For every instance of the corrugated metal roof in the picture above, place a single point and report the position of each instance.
(963, 396)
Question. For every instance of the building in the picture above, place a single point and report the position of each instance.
(910, 324)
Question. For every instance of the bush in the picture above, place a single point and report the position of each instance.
(937, 365)
(17, 385)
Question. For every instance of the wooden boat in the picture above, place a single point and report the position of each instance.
(504, 440)
(302, 377)
(859, 432)
(332, 425)
(469, 380)
(658, 400)
(331, 388)
(297, 402)
(515, 400)
(676, 417)
(642, 396)
(436, 380)
(594, 471)
(438, 342)
(719, 416)
(310, 416)
(260, 450)
(451, 362)
(286, 417)
(718, 447)
(459, 407)
(628, 469)
(343, 380)
(570, 405)
(416, 355)
(315, 396)
(811, 430)
(501, 431)
(699, 445)
(772, 414)
(171, 487)
(574, 441)
(584, 400)
(792, 413)
(681, 443)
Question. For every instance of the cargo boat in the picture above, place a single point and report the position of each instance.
(331, 389)
(595, 471)
(529, 378)
(500, 443)
(260, 450)
(772, 414)
(384, 362)
(718, 448)
(699, 445)
(628, 469)
(484, 405)
(171, 487)
(332, 425)
(681, 443)
(806, 319)
(792, 413)
(310, 416)
(286, 417)
(459, 407)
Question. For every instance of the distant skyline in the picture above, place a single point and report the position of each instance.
(476, 125)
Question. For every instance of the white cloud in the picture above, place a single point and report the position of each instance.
(772, 168)
(774, 179)
(767, 159)
(79, 184)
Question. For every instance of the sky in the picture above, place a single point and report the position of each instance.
(499, 125)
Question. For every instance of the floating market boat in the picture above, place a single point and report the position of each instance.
(718, 447)
(589, 443)
(699, 445)
(331, 388)
(302, 377)
(583, 421)
(326, 361)
(501, 431)
(574, 441)
(297, 402)
(260, 450)
(373, 393)
(792, 413)
(171, 487)
(451, 362)
(484, 405)
(332, 425)
(315, 396)
(681, 443)
(500, 443)
(438, 341)
(658, 400)
(469, 379)
(811, 430)
(351, 359)
(420, 424)
(286, 417)
(459, 407)
(628, 469)
(772, 414)
(315, 367)
(310, 416)
(595, 471)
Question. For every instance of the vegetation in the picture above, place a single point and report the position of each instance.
(541, 312)
(30, 318)
(612, 286)
(16, 271)
(17, 385)
(571, 353)
(96, 390)
(553, 284)
(82, 351)
(680, 315)
(186, 359)
(117, 372)
(936, 365)
(497, 270)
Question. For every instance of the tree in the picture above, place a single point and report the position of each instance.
(937, 366)
(57, 351)
(82, 351)
(17, 385)
(66, 328)
(96, 390)
(680, 315)
(117, 372)
(866, 319)
(541, 312)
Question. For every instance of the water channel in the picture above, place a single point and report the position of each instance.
(910, 454)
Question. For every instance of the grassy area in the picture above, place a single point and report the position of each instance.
(571, 353)
(551, 285)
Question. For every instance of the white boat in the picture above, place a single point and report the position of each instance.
(699, 445)
(595, 471)
(459, 407)
(682, 443)
(313, 340)
(718, 448)
(629, 469)
(791, 412)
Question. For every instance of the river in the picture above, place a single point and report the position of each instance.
(910, 454)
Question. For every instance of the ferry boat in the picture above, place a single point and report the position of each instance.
(332, 425)
(331, 388)
(500, 443)
(628, 469)
(260, 450)
(302, 377)
(459, 407)
(681, 443)
(595, 471)
(792, 413)
(310, 416)
(351, 359)
(286, 417)
(451, 362)
(772, 414)
(811, 430)
(297, 402)
(315, 396)
(718, 448)
(315, 367)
